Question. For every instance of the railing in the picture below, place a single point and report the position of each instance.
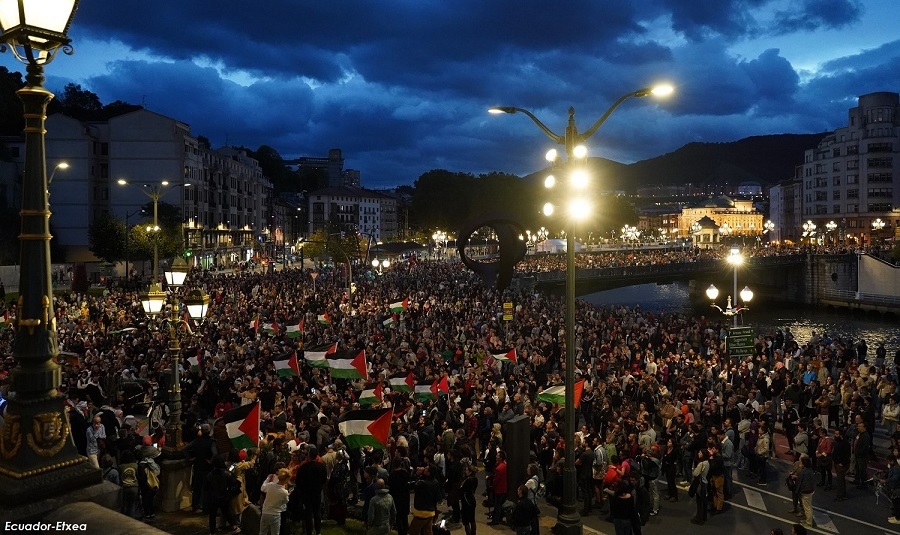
(872, 299)
(671, 268)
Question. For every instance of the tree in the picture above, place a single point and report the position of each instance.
(12, 118)
(106, 238)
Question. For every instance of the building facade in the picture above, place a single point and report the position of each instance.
(738, 217)
(221, 194)
(852, 178)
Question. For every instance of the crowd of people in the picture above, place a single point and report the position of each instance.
(661, 399)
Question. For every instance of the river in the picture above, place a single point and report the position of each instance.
(802, 321)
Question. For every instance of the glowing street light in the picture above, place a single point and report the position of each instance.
(735, 259)
(568, 520)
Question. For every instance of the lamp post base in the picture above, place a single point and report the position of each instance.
(568, 525)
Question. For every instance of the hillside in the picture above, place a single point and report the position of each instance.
(764, 159)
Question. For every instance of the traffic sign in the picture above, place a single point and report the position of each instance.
(740, 342)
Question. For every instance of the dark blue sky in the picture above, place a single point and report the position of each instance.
(403, 86)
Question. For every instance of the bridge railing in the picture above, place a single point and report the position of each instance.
(660, 269)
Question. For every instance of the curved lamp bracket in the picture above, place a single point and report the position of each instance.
(497, 274)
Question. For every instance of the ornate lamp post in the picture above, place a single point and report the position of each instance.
(830, 226)
(568, 520)
(197, 304)
(37, 455)
(877, 226)
(768, 228)
(381, 264)
(809, 230)
(735, 259)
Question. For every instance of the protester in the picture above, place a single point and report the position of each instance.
(381, 514)
(275, 489)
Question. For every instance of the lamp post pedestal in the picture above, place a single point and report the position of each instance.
(37, 455)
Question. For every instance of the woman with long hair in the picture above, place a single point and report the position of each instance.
(467, 498)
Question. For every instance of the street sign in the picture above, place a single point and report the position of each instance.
(740, 342)
(314, 274)
(507, 311)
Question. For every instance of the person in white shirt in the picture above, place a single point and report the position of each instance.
(275, 488)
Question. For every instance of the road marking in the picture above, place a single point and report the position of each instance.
(780, 519)
(832, 513)
(824, 521)
(591, 530)
(755, 499)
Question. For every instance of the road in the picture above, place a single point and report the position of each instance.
(756, 510)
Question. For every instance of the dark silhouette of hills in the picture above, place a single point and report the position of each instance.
(763, 159)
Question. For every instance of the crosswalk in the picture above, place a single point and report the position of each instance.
(828, 521)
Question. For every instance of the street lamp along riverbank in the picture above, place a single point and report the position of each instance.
(568, 520)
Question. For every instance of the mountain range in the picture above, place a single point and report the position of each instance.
(766, 160)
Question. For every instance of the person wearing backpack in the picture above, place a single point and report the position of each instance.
(128, 480)
(148, 480)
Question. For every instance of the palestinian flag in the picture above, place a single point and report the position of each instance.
(430, 391)
(400, 306)
(371, 396)
(325, 318)
(366, 427)
(315, 356)
(4, 321)
(254, 324)
(269, 328)
(557, 394)
(196, 362)
(242, 425)
(389, 323)
(287, 365)
(347, 365)
(294, 331)
(509, 356)
(402, 382)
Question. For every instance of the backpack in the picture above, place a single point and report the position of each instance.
(147, 477)
(650, 468)
(232, 486)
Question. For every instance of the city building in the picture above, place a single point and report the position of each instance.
(371, 213)
(851, 178)
(785, 201)
(222, 194)
(736, 217)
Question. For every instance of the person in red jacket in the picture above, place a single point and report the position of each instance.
(499, 488)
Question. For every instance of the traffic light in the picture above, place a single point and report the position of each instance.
(188, 253)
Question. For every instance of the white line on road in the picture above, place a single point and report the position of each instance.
(780, 519)
(755, 499)
(832, 513)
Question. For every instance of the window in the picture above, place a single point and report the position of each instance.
(852, 164)
(836, 166)
(852, 149)
(821, 196)
(875, 178)
(835, 152)
(878, 193)
(880, 207)
(836, 181)
(881, 147)
(836, 195)
(852, 179)
(836, 209)
(879, 163)
(852, 193)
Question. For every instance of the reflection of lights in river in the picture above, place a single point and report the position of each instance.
(675, 298)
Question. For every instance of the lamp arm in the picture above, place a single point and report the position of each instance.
(559, 140)
(593, 129)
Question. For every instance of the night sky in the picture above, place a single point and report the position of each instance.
(403, 86)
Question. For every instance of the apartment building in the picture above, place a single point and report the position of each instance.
(852, 178)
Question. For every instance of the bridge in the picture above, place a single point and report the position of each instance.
(859, 283)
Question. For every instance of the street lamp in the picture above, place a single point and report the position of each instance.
(830, 226)
(768, 228)
(735, 259)
(61, 166)
(381, 264)
(37, 457)
(568, 520)
(197, 304)
(155, 297)
(877, 225)
(809, 230)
